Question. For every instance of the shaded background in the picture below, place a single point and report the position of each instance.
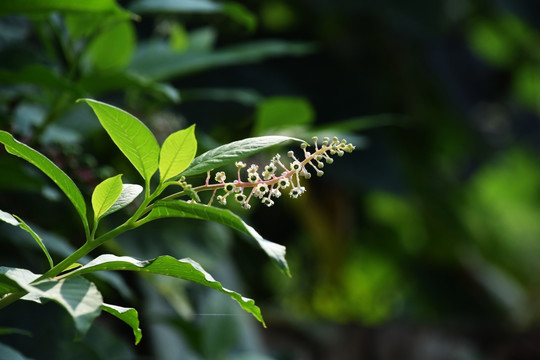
(422, 244)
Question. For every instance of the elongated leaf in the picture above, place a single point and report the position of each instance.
(183, 209)
(33, 6)
(165, 265)
(105, 195)
(113, 48)
(14, 279)
(10, 219)
(36, 237)
(156, 60)
(128, 315)
(129, 193)
(63, 181)
(106, 82)
(131, 136)
(177, 152)
(77, 295)
(184, 6)
(229, 153)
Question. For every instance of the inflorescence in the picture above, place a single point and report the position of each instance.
(267, 184)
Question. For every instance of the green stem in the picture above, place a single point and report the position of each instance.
(64, 264)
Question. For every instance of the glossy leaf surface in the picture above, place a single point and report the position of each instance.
(105, 195)
(229, 153)
(63, 181)
(183, 209)
(177, 152)
(166, 265)
(128, 315)
(131, 136)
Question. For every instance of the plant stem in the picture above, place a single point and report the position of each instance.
(64, 264)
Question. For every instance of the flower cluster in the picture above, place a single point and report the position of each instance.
(276, 176)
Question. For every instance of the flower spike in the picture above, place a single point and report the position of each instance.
(268, 184)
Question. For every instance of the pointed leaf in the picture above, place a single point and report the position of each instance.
(105, 195)
(63, 181)
(156, 59)
(13, 279)
(35, 6)
(177, 152)
(129, 193)
(131, 136)
(36, 237)
(128, 315)
(178, 208)
(10, 219)
(78, 296)
(229, 153)
(165, 265)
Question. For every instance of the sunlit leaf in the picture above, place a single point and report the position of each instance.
(105, 195)
(229, 153)
(128, 315)
(178, 208)
(78, 296)
(177, 152)
(10, 219)
(131, 136)
(129, 193)
(50, 169)
(165, 265)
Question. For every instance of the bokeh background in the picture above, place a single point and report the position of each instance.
(422, 244)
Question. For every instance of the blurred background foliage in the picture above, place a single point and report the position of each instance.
(423, 244)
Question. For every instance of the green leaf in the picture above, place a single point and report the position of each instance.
(131, 136)
(39, 75)
(77, 295)
(229, 153)
(105, 195)
(166, 6)
(245, 97)
(177, 152)
(165, 265)
(10, 219)
(99, 82)
(183, 209)
(35, 6)
(112, 49)
(36, 237)
(8, 331)
(279, 112)
(128, 315)
(129, 193)
(13, 279)
(63, 181)
(157, 61)
(241, 15)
